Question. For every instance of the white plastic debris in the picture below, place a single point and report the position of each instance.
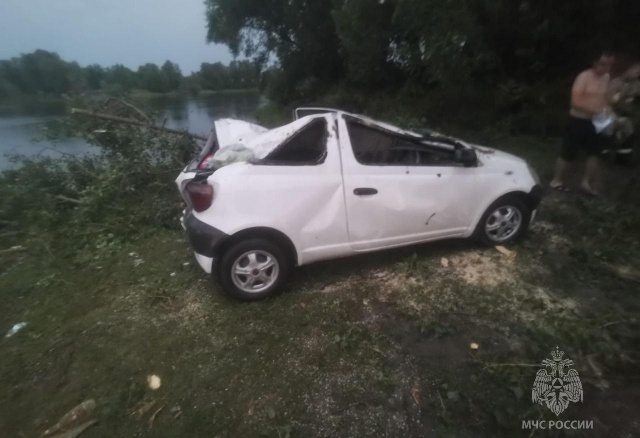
(604, 123)
(154, 382)
(15, 329)
(234, 153)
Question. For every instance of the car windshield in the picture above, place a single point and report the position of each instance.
(264, 144)
(307, 146)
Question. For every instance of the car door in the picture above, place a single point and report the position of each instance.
(394, 194)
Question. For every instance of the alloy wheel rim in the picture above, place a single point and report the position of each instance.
(255, 271)
(503, 223)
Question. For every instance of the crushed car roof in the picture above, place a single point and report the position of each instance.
(262, 141)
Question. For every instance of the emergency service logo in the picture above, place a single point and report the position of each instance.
(555, 388)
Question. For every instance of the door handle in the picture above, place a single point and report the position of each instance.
(364, 191)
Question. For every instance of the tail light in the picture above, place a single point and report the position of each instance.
(200, 194)
(207, 162)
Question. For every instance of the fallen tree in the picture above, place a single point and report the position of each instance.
(129, 121)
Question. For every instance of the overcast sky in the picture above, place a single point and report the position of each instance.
(107, 32)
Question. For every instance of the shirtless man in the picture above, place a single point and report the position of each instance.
(588, 98)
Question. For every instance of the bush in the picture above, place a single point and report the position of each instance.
(74, 201)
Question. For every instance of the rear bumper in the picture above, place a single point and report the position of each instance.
(205, 240)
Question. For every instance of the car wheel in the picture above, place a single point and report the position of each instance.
(253, 269)
(505, 221)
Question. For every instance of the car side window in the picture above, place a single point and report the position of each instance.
(374, 146)
(306, 147)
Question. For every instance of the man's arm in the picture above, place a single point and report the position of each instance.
(613, 93)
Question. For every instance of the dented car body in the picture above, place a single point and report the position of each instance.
(333, 184)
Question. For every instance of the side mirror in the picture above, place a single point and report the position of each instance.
(465, 156)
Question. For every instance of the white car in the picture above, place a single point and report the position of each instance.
(333, 184)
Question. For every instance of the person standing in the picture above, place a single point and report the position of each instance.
(589, 97)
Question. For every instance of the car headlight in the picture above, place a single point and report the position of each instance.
(533, 173)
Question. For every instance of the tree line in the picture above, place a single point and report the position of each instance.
(43, 72)
(376, 45)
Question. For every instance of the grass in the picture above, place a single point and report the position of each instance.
(375, 345)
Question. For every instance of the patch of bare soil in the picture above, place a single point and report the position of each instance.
(442, 288)
(340, 285)
(549, 234)
(479, 267)
(391, 283)
(383, 283)
(357, 414)
(192, 305)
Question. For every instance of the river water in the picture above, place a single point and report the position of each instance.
(21, 126)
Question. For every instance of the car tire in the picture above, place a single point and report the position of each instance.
(253, 269)
(505, 221)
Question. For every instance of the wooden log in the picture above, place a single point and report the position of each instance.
(128, 121)
(133, 107)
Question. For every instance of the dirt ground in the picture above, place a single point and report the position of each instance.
(375, 345)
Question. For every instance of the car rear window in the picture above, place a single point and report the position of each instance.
(306, 147)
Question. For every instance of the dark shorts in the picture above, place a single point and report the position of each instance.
(581, 136)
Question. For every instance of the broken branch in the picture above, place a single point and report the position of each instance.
(133, 107)
(66, 198)
(128, 121)
(153, 416)
(492, 365)
(444, 409)
(622, 321)
(505, 251)
(13, 249)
